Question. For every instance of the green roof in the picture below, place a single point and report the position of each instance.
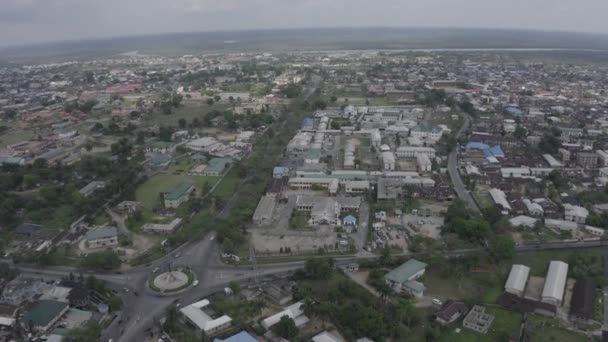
(178, 191)
(44, 312)
(404, 272)
(313, 153)
(217, 165)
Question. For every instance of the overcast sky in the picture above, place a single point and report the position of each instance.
(28, 21)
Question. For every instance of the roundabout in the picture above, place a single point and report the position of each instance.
(171, 282)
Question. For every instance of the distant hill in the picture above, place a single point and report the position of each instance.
(331, 38)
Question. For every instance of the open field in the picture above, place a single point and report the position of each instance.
(539, 261)
(474, 286)
(373, 101)
(149, 192)
(506, 324)
(543, 329)
(228, 185)
(189, 110)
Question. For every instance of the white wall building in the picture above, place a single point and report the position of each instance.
(555, 283)
(575, 213)
(200, 319)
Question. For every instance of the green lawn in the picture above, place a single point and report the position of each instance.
(149, 192)
(506, 324)
(188, 111)
(484, 287)
(228, 185)
(543, 329)
(373, 101)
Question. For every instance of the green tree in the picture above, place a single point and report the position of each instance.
(503, 247)
(520, 132)
(318, 268)
(106, 260)
(286, 328)
(182, 123)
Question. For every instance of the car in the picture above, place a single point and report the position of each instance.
(195, 283)
(155, 270)
(136, 294)
(211, 238)
(125, 289)
(177, 255)
(436, 301)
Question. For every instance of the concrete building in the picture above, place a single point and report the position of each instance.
(478, 320)
(44, 314)
(424, 163)
(178, 195)
(587, 160)
(403, 278)
(102, 237)
(388, 160)
(500, 199)
(555, 283)
(217, 166)
(90, 188)
(195, 314)
(518, 277)
(575, 213)
(414, 151)
(356, 186)
(263, 212)
(162, 228)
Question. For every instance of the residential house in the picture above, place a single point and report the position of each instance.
(403, 278)
(450, 311)
(102, 237)
(178, 195)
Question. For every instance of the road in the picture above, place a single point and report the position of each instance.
(459, 187)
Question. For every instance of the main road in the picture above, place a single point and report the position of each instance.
(459, 187)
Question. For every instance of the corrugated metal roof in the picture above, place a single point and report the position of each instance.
(517, 278)
(555, 281)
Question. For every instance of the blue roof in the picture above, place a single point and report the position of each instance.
(243, 336)
(497, 151)
(350, 219)
(280, 170)
(514, 111)
(308, 122)
(476, 146)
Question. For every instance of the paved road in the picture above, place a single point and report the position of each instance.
(459, 187)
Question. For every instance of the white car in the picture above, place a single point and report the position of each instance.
(156, 269)
(195, 283)
(436, 302)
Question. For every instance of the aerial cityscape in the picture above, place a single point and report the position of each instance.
(320, 184)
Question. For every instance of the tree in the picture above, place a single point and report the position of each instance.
(503, 247)
(209, 102)
(235, 287)
(106, 260)
(333, 99)
(406, 312)
(318, 268)
(182, 123)
(89, 332)
(549, 143)
(520, 132)
(286, 328)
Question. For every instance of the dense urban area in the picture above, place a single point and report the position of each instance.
(322, 196)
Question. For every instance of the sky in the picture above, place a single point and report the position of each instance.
(33, 21)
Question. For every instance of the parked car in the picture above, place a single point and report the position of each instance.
(195, 283)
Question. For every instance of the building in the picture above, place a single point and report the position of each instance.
(326, 210)
(196, 315)
(90, 188)
(280, 172)
(500, 199)
(349, 220)
(101, 237)
(587, 160)
(265, 209)
(555, 283)
(294, 311)
(243, 336)
(326, 337)
(178, 195)
(582, 305)
(44, 314)
(478, 320)
(403, 278)
(575, 213)
(217, 166)
(356, 186)
(414, 151)
(518, 277)
(424, 163)
(162, 228)
(450, 311)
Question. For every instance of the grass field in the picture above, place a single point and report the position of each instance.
(188, 110)
(543, 329)
(506, 324)
(484, 287)
(149, 192)
(228, 185)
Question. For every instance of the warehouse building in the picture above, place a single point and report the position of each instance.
(582, 305)
(518, 277)
(178, 195)
(555, 283)
(263, 213)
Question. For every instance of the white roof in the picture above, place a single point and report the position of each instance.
(195, 313)
(517, 278)
(523, 220)
(499, 197)
(5, 321)
(555, 281)
(293, 311)
(326, 337)
(575, 210)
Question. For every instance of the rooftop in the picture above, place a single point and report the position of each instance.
(44, 312)
(404, 272)
(104, 232)
(178, 191)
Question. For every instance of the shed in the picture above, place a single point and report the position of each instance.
(582, 305)
(555, 282)
(518, 277)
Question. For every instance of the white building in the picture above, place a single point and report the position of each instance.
(100, 237)
(555, 283)
(523, 221)
(389, 160)
(534, 209)
(515, 172)
(500, 198)
(518, 277)
(294, 311)
(414, 151)
(424, 163)
(356, 186)
(199, 318)
(162, 228)
(265, 209)
(575, 213)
